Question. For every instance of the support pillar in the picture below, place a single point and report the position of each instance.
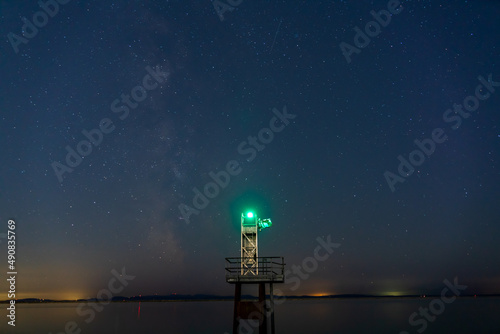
(237, 300)
(271, 306)
(248, 310)
(262, 308)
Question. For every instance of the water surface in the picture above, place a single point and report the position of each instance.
(465, 315)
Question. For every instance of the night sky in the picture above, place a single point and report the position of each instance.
(311, 135)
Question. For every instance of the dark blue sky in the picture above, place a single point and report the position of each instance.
(215, 83)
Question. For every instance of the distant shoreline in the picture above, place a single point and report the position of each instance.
(228, 298)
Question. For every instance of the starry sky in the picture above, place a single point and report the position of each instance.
(221, 75)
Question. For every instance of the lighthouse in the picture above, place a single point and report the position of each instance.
(251, 269)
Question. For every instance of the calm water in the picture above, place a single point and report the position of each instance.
(466, 315)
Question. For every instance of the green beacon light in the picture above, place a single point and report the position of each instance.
(251, 220)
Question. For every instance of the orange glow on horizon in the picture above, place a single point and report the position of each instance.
(53, 296)
(320, 294)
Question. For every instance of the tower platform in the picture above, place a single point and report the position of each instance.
(260, 270)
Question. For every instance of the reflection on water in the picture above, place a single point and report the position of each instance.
(465, 315)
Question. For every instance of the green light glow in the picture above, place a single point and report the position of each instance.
(250, 215)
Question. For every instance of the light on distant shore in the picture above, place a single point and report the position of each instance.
(393, 293)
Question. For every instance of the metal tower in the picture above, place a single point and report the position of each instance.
(252, 269)
(249, 242)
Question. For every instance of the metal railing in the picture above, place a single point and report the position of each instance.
(262, 269)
